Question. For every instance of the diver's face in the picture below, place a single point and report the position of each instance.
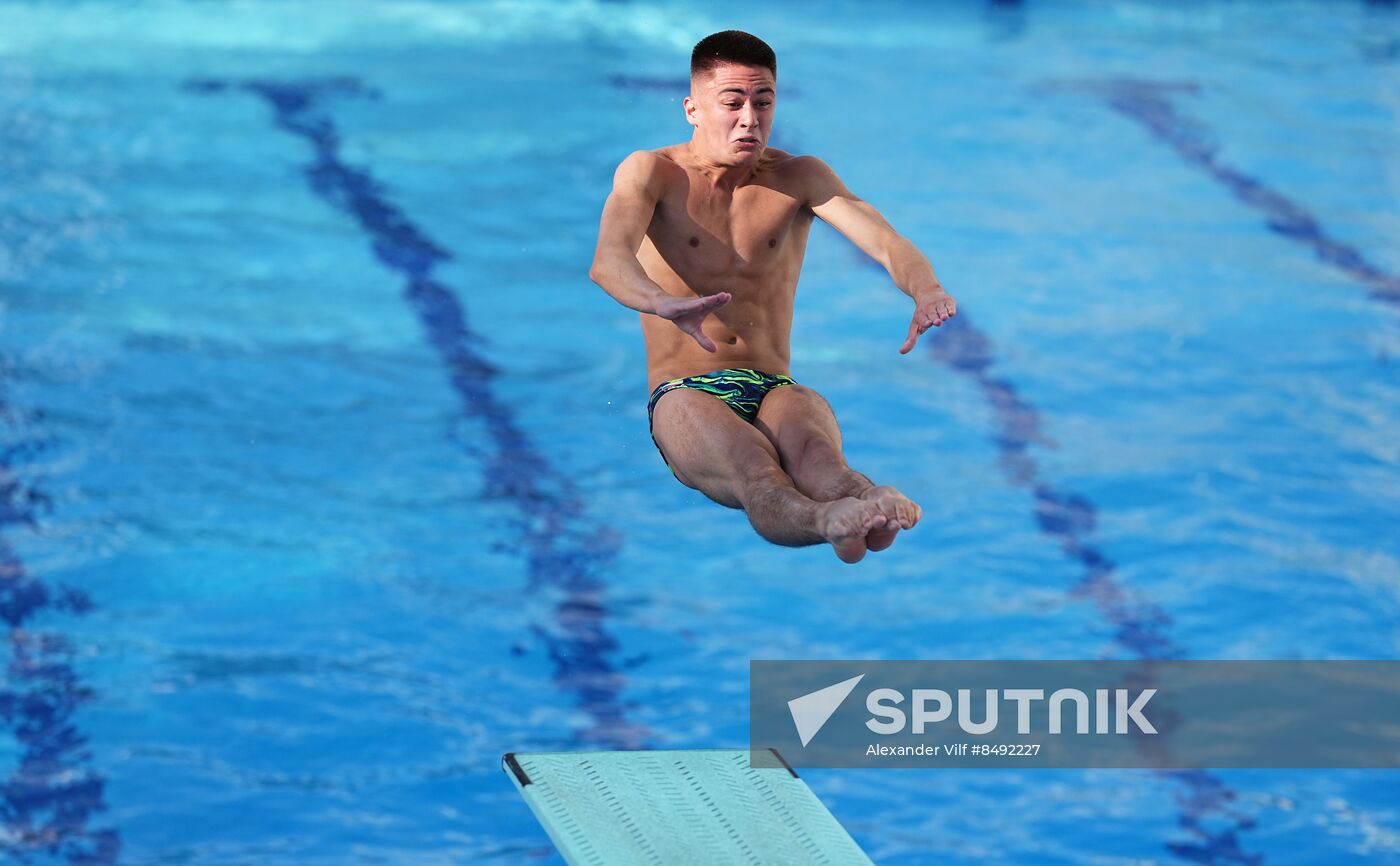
(731, 108)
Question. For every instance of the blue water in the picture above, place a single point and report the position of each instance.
(324, 470)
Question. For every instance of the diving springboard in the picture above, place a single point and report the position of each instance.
(706, 807)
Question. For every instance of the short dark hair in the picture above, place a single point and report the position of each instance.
(732, 46)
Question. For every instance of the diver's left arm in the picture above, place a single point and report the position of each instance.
(866, 228)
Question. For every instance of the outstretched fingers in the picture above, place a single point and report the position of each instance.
(690, 313)
(929, 314)
(705, 342)
(909, 341)
(710, 303)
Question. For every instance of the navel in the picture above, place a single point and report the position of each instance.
(772, 242)
(695, 242)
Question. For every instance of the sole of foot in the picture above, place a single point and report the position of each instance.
(846, 525)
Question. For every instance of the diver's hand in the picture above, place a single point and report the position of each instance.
(688, 313)
(933, 309)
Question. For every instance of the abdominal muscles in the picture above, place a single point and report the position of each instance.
(744, 335)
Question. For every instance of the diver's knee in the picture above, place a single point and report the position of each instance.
(818, 455)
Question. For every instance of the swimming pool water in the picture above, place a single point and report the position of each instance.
(324, 471)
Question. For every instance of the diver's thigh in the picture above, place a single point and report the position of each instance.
(710, 447)
(795, 418)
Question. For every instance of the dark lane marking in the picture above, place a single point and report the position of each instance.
(1065, 516)
(49, 799)
(564, 549)
(1386, 51)
(1149, 104)
(677, 85)
(1204, 802)
(1139, 626)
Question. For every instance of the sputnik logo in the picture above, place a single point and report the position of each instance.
(812, 710)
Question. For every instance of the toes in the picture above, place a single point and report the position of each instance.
(852, 523)
(887, 512)
(904, 509)
(906, 514)
(894, 515)
(898, 516)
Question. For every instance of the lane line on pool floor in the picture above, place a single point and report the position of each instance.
(1068, 518)
(1149, 104)
(54, 793)
(565, 549)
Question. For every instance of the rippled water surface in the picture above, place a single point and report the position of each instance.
(324, 470)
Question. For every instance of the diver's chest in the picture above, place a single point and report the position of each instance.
(753, 225)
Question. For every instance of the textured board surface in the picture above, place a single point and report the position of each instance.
(705, 806)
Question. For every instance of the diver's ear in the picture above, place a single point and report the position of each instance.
(690, 108)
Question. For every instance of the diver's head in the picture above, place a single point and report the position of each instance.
(733, 81)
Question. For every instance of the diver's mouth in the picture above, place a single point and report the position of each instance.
(747, 141)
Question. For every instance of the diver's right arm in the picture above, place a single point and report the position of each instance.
(637, 187)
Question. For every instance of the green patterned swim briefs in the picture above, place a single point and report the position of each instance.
(741, 390)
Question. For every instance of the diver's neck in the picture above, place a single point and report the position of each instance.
(720, 175)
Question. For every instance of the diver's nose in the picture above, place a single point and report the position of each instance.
(748, 117)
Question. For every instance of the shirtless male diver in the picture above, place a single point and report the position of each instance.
(705, 239)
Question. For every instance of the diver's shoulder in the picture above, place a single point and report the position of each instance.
(798, 167)
(659, 162)
(808, 173)
(670, 155)
(644, 160)
(803, 163)
(645, 168)
(775, 159)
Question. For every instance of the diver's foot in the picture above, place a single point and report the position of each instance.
(845, 523)
(900, 512)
